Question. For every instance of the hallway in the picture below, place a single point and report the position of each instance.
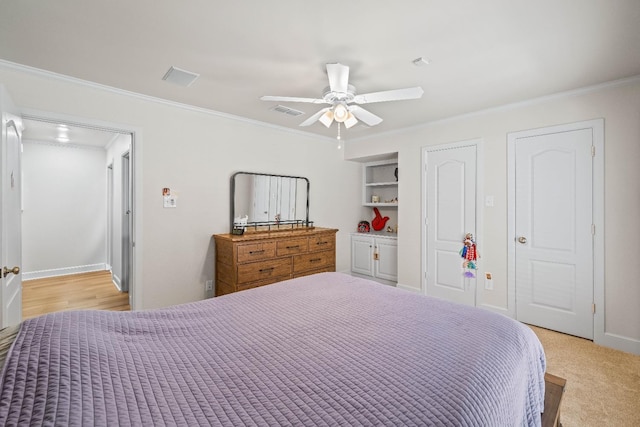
(94, 291)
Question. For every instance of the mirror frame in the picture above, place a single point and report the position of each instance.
(268, 225)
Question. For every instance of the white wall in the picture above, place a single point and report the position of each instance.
(64, 216)
(619, 105)
(195, 153)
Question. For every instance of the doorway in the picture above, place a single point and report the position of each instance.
(451, 175)
(554, 218)
(107, 234)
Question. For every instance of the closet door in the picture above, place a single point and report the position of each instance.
(450, 183)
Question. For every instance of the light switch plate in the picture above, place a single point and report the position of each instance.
(170, 201)
(488, 281)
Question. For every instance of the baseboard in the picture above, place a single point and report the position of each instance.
(619, 342)
(31, 275)
(116, 281)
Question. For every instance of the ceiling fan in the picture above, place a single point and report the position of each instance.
(344, 104)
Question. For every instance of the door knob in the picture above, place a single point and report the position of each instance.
(522, 240)
(6, 271)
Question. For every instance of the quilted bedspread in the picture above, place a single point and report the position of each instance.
(328, 349)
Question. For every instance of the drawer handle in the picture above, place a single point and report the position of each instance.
(256, 252)
(315, 259)
(264, 270)
(322, 243)
(293, 247)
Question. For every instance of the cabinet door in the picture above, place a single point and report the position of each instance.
(387, 263)
(362, 255)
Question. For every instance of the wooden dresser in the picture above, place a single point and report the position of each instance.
(257, 259)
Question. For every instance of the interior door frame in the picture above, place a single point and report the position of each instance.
(597, 129)
(136, 273)
(478, 143)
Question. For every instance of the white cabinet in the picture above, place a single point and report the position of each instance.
(380, 182)
(375, 256)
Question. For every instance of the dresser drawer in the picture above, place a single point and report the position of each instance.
(251, 285)
(292, 247)
(322, 243)
(263, 270)
(256, 251)
(314, 261)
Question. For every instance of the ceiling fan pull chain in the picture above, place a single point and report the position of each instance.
(338, 130)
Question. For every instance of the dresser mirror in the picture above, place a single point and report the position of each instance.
(264, 202)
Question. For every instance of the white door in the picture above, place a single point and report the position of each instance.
(362, 255)
(386, 265)
(11, 213)
(450, 212)
(553, 231)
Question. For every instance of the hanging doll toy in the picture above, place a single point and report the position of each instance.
(470, 255)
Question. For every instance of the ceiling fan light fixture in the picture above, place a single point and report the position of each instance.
(327, 118)
(340, 113)
(351, 120)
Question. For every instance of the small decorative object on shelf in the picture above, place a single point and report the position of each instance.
(395, 173)
(379, 221)
(470, 255)
(363, 227)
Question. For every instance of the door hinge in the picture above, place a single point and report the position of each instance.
(593, 229)
(593, 151)
(593, 308)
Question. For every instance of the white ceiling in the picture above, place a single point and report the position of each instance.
(484, 53)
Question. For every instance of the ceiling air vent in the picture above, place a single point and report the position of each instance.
(286, 110)
(180, 77)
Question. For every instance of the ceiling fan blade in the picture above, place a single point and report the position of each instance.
(338, 77)
(364, 116)
(311, 120)
(389, 95)
(292, 99)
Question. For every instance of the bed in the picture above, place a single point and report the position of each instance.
(327, 349)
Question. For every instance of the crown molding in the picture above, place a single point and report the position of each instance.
(506, 107)
(13, 66)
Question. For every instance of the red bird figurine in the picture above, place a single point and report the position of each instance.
(378, 222)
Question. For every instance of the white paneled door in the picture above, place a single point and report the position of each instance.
(11, 229)
(554, 280)
(450, 212)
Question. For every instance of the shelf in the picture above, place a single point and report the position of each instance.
(380, 180)
(382, 184)
(381, 204)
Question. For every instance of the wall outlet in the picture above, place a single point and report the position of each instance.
(488, 281)
(208, 285)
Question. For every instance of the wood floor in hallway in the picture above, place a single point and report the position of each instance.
(85, 291)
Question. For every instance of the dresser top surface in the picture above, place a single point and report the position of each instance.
(248, 237)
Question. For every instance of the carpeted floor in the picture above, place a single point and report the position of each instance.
(603, 385)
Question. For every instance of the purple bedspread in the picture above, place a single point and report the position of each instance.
(327, 349)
